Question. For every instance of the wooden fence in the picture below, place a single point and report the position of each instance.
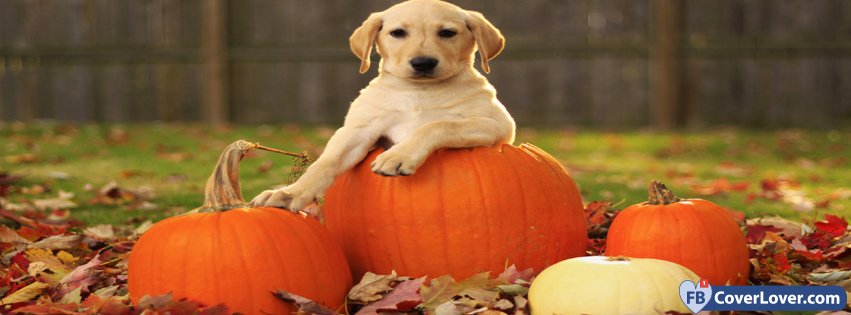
(602, 63)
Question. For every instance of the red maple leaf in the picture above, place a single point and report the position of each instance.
(833, 226)
(781, 262)
(818, 239)
(756, 232)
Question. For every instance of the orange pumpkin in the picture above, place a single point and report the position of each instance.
(695, 233)
(233, 254)
(465, 211)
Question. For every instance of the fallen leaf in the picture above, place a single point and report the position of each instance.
(503, 304)
(25, 294)
(305, 305)
(756, 233)
(35, 268)
(142, 228)
(62, 201)
(66, 257)
(59, 242)
(73, 297)
(51, 262)
(51, 309)
(82, 276)
(155, 301)
(833, 225)
(830, 277)
(371, 286)
(453, 308)
(103, 232)
(404, 297)
(8, 235)
(787, 228)
(443, 289)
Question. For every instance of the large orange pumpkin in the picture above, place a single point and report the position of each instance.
(465, 211)
(695, 233)
(233, 254)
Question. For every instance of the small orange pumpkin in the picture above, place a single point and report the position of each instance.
(695, 233)
(231, 253)
(465, 211)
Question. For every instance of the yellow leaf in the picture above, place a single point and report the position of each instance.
(35, 268)
(66, 257)
(73, 297)
(25, 294)
(51, 262)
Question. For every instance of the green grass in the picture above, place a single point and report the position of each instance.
(175, 161)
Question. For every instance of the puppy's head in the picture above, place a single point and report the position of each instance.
(426, 40)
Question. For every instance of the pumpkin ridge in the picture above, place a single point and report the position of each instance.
(551, 202)
(442, 206)
(159, 276)
(305, 248)
(240, 241)
(709, 241)
(364, 241)
(394, 223)
(281, 256)
(521, 196)
(481, 195)
(183, 281)
(218, 247)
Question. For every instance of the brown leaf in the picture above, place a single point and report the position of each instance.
(305, 305)
(155, 301)
(102, 232)
(371, 286)
(444, 289)
(8, 235)
(786, 227)
(61, 201)
(404, 297)
(512, 276)
(59, 242)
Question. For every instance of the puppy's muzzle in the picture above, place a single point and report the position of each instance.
(424, 66)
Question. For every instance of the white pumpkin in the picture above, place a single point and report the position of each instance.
(609, 285)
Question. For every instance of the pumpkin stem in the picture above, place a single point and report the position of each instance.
(222, 191)
(660, 194)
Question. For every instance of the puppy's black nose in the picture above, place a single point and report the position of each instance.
(423, 64)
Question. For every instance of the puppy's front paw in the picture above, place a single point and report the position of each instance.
(394, 163)
(285, 198)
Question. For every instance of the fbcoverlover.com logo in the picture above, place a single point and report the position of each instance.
(702, 296)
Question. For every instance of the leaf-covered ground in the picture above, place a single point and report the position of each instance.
(73, 199)
(52, 264)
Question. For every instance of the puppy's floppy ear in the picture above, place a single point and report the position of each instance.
(363, 39)
(489, 40)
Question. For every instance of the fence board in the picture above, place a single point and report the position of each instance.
(115, 92)
(579, 62)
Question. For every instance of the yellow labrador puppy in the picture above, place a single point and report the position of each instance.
(427, 96)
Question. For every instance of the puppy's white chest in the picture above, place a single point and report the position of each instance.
(404, 123)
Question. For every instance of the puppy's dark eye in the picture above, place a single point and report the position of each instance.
(398, 33)
(446, 33)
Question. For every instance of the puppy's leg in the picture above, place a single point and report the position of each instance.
(347, 147)
(405, 157)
